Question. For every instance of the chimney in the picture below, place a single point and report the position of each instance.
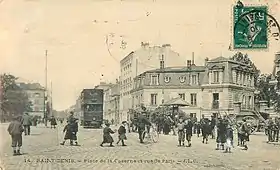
(144, 45)
(193, 58)
(206, 60)
(189, 63)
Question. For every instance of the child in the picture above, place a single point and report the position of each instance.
(68, 134)
(74, 132)
(181, 133)
(15, 129)
(122, 132)
(107, 138)
(189, 127)
(229, 139)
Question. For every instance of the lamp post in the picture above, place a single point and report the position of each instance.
(46, 88)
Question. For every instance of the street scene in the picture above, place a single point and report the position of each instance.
(43, 145)
(140, 85)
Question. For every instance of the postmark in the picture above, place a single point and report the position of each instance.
(254, 27)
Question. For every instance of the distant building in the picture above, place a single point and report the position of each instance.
(219, 86)
(137, 62)
(111, 103)
(36, 95)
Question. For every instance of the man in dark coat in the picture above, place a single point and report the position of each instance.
(206, 129)
(221, 133)
(142, 123)
(122, 132)
(68, 134)
(213, 125)
(189, 128)
(26, 121)
(244, 132)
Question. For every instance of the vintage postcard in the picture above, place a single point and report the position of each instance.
(139, 84)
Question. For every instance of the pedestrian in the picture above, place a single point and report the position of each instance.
(122, 132)
(244, 133)
(189, 129)
(15, 129)
(270, 127)
(221, 133)
(213, 125)
(198, 129)
(229, 138)
(143, 122)
(181, 133)
(68, 134)
(27, 121)
(53, 122)
(206, 130)
(239, 141)
(74, 130)
(107, 138)
(275, 129)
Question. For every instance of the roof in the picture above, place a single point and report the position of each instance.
(178, 69)
(219, 59)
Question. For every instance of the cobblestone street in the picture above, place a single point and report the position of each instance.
(43, 144)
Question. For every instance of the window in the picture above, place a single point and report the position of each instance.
(216, 76)
(192, 115)
(154, 80)
(250, 103)
(182, 79)
(167, 79)
(215, 104)
(193, 99)
(194, 80)
(153, 99)
(236, 80)
(161, 64)
(182, 96)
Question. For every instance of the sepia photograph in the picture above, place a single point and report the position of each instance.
(139, 84)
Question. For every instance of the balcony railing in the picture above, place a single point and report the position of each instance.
(215, 105)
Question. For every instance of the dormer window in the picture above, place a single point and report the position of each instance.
(167, 79)
(182, 79)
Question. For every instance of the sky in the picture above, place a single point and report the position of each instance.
(74, 33)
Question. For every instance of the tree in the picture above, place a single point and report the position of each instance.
(14, 99)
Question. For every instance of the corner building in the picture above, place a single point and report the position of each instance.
(211, 89)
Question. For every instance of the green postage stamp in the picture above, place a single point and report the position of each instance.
(250, 27)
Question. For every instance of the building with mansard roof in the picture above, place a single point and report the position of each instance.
(145, 58)
(219, 86)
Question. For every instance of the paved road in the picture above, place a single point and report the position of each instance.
(42, 144)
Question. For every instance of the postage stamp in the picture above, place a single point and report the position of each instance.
(254, 27)
(250, 27)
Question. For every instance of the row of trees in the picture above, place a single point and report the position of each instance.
(269, 91)
(14, 101)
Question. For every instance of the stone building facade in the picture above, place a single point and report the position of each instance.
(210, 89)
(143, 59)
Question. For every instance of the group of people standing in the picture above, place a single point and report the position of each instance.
(272, 129)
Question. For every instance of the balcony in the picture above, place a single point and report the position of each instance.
(215, 105)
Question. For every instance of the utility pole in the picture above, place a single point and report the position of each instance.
(46, 88)
(51, 108)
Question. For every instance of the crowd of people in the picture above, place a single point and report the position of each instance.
(219, 128)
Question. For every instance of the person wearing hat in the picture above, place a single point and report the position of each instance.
(53, 122)
(71, 117)
(15, 129)
(26, 123)
(74, 130)
(122, 132)
(142, 123)
(107, 138)
(244, 133)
